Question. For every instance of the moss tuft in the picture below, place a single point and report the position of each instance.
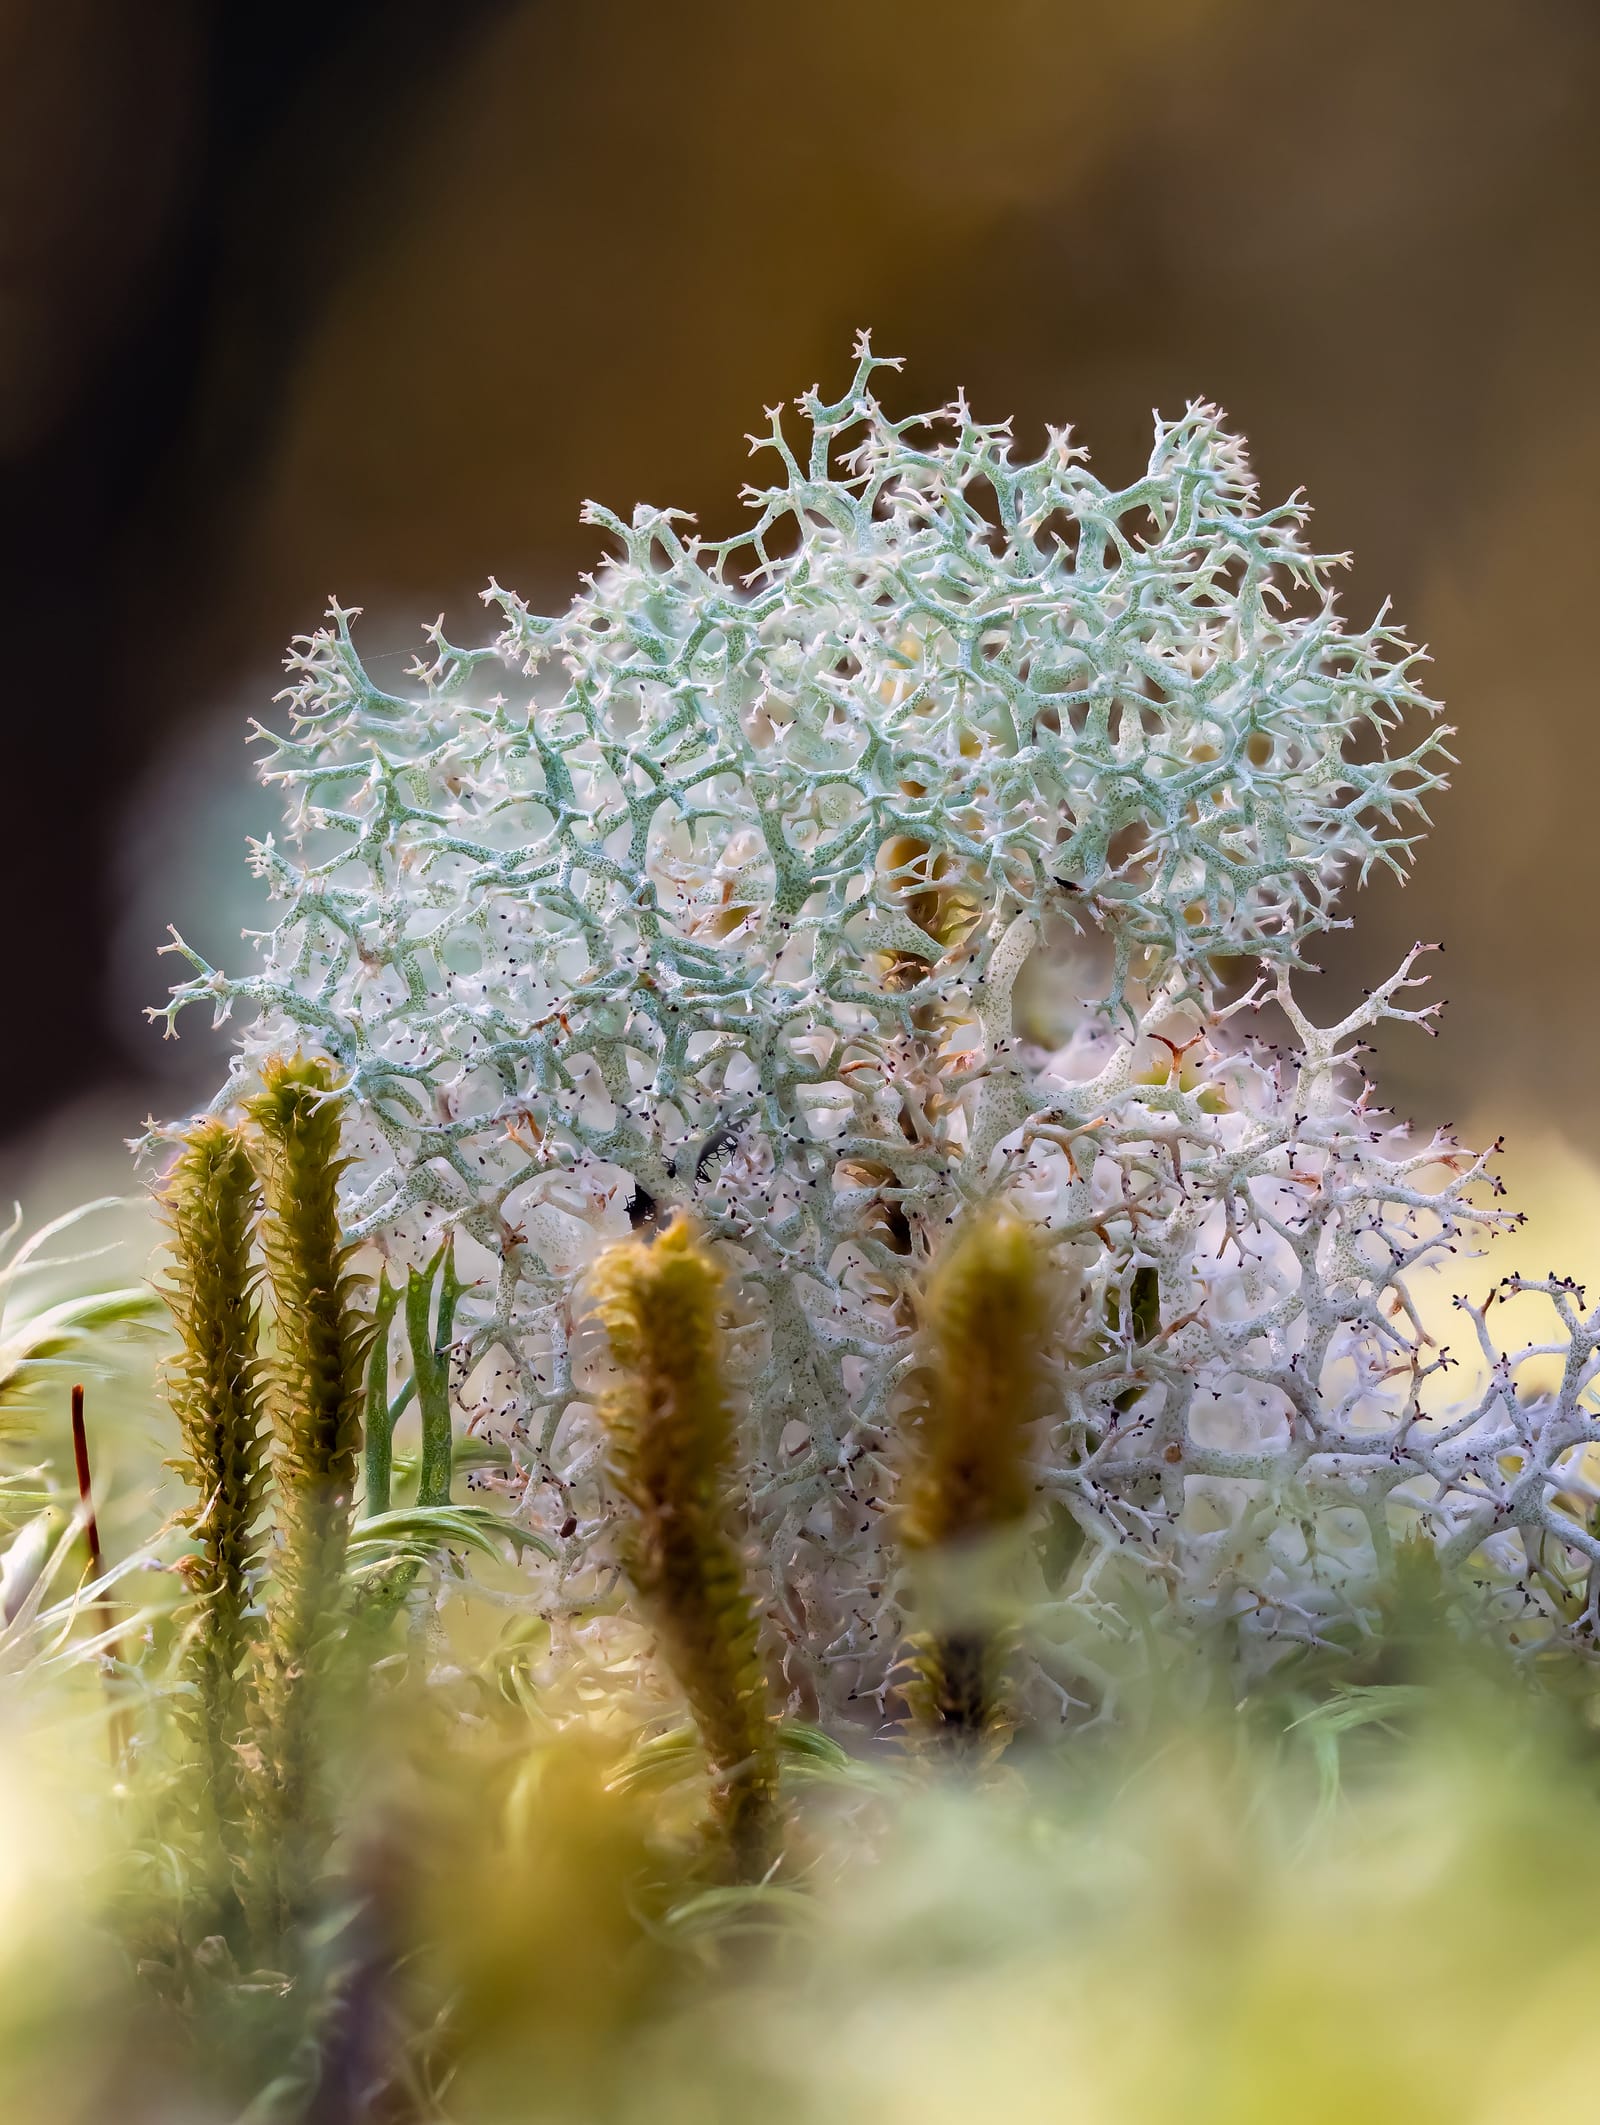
(315, 1389)
(215, 1388)
(672, 1449)
(985, 1333)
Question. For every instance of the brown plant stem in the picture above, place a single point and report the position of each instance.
(105, 1607)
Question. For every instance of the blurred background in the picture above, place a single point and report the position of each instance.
(365, 296)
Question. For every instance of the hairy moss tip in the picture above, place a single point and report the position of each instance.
(670, 1420)
(985, 1340)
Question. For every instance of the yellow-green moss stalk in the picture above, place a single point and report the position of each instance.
(672, 1443)
(214, 1387)
(315, 1388)
(985, 1332)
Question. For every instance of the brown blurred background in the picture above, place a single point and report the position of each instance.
(366, 296)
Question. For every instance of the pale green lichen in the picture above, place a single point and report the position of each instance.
(714, 893)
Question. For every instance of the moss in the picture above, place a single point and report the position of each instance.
(214, 1386)
(672, 1448)
(315, 1388)
(968, 1480)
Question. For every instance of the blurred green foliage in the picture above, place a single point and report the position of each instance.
(1363, 1890)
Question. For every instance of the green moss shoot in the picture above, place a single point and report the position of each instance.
(315, 1395)
(215, 1389)
(672, 1445)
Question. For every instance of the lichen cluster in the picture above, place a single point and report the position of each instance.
(714, 893)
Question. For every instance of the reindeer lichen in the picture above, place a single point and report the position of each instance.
(713, 892)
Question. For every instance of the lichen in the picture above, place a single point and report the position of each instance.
(713, 893)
